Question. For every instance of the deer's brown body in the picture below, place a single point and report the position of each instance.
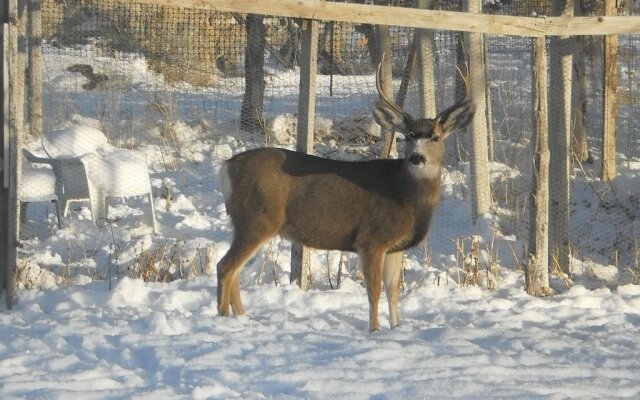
(290, 189)
(371, 207)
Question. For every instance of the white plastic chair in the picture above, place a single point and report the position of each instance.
(86, 167)
(63, 147)
(38, 184)
(118, 173)
(69, 182)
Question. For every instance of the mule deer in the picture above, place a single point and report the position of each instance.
(370, 207)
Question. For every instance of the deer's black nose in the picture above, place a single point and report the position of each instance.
(416, 159)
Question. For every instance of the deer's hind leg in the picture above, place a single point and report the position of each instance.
(236, 301)
(244, 245)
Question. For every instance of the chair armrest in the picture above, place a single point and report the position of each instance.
(35, 159)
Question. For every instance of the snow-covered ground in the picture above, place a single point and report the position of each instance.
(87, 326)
(164, 341)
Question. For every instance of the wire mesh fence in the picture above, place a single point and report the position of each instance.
(170, 83)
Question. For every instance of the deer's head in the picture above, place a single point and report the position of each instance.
(424, 136)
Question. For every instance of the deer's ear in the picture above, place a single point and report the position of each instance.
(460, 114)
(391, 118)
(455, 117)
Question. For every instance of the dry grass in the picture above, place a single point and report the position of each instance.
(478, 262)
(167, 262)
(28, 275)
(183, 45)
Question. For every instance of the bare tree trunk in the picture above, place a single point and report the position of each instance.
(409, 66)
(426, 67)
(458, 147)
(481, 198)
(560, 140)
(487, 93)
(290, 51)
(537, 270)
(579, 144)
(610, 105)
(251, 118)
(369, 32)
(386, 80)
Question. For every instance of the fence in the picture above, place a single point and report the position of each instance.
(169, 83)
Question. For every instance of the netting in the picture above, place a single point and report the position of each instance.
(170, 83)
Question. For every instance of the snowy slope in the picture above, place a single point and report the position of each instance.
(71, 336)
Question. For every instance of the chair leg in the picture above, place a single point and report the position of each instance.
(98, 206)
(153, 212)
(64, 205)
(57, 203)
(96, 200)
(23, 211)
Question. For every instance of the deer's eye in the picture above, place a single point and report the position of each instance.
(435, 139)
(412, 135)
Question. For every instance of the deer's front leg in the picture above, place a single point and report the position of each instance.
(372, 261)
(392, 275)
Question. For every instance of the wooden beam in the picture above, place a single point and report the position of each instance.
(588, 26)
(369, 14)
(417, 18)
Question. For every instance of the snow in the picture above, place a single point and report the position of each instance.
(156, 340)
(86, 324)
(74, 141)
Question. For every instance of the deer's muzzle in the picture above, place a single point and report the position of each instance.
(416, 159)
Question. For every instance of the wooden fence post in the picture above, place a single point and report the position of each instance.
(35, 68)
(610, 106)
(301, 255)
(16, 54)
(480, 187)
(4, 148)
(537, 270)
(391, 260)
(560, 140)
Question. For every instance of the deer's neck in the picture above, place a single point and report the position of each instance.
(421, 187)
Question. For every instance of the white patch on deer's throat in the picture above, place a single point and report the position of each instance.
(428, 169)
(424, 170)
(225, 181)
